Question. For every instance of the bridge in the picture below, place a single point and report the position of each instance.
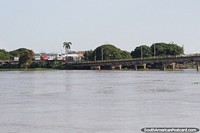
(158, 62)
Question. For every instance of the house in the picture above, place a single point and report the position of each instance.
(81, 53)
(37, 57)
(51, 57)
(61, 57)
(16, 59)
(44, 57)
(73, 58)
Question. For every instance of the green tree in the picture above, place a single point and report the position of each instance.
(125, 54)
(18, 52)
(162, 49)
(66, 46)
(141, 51)
(174, 49)
(4, 55)
(26, 58)
(109, 52)
(88, 55)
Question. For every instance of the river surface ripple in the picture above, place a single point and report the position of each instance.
(97, 101)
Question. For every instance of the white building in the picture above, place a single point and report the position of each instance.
(37, 57)
(61, 57)
(16, 59)
(51, 56)
(73, 58)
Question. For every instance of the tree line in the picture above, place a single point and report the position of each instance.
(111, 52)
(25, 57)
(103, 52)
(157, 49)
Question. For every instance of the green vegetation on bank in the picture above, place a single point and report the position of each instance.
(103, 52)
(29, 69)
(25, 60)
(18, 52)
(157, 49)
(5, 55)
(107, 52)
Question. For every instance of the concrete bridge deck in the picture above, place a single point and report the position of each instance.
(164, 61)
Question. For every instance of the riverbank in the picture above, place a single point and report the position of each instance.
(51, 69)
(29, 69)
(72, 67)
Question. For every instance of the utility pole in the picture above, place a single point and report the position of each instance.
(102, 54)
(95, 56)
(86, 55)
(154, 50)
(141, 52)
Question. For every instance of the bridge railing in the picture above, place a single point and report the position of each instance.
(137, 59)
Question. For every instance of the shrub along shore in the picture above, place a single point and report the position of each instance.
(104, 52)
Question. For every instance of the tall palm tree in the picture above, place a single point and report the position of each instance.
(67, 46)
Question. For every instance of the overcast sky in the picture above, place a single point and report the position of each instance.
(43, 25)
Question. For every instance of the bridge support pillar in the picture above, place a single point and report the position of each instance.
(136, 67)
(170, 66)
(198, 66)
(95, 67)
(141, 65)
(164, 67)
(173, 66)
(118, 67)
(145, 66)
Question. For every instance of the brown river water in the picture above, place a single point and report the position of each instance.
(98, 101)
